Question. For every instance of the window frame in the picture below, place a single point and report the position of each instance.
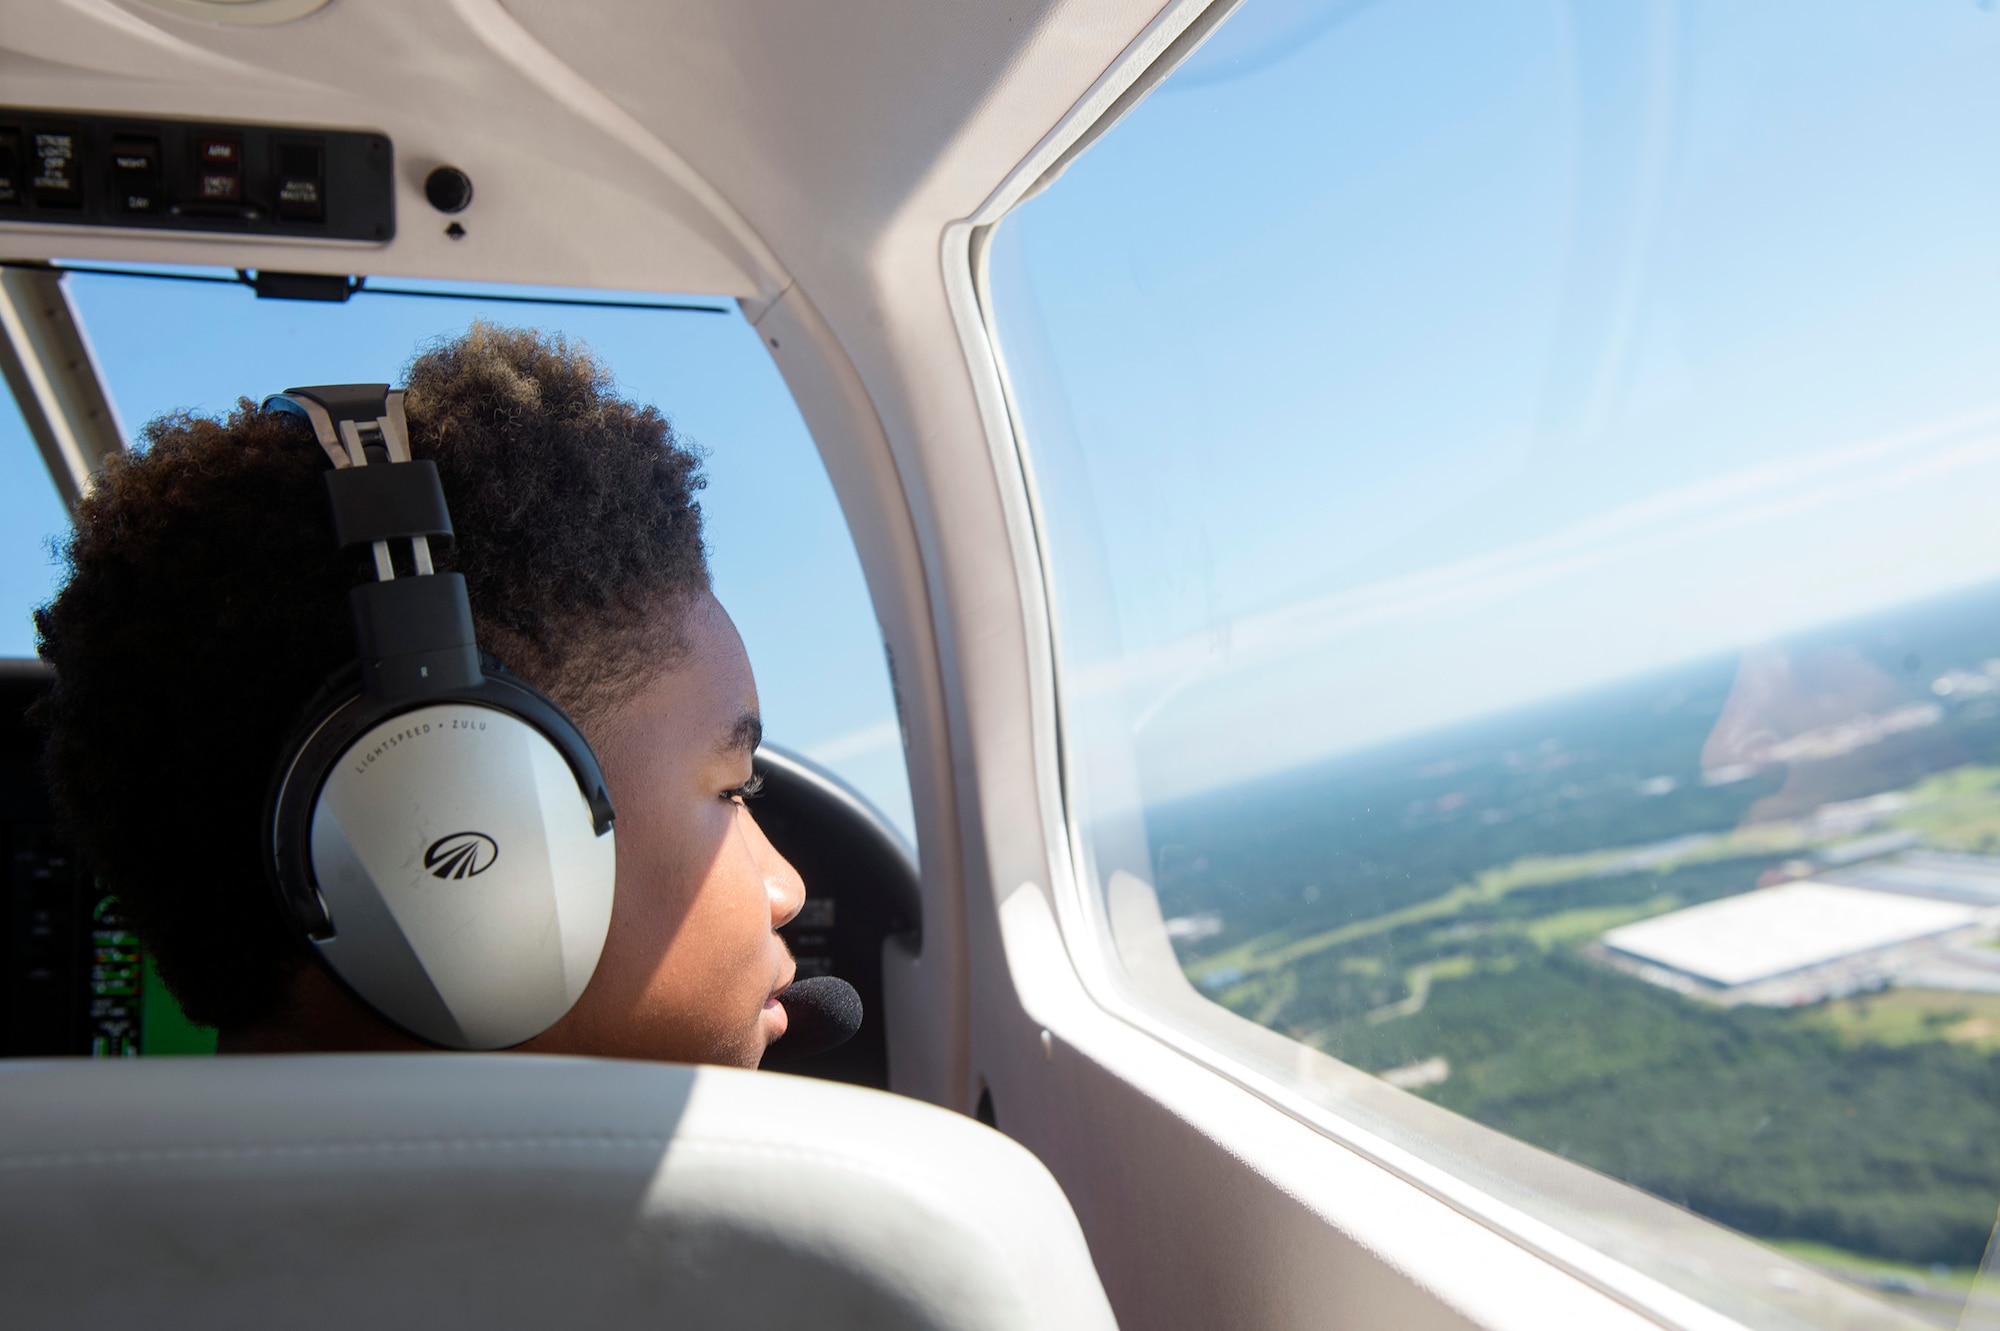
(1595, 1228)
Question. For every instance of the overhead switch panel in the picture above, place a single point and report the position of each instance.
(64, 169)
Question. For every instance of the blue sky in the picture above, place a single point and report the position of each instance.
(1401, 362)
(782, 560)
(1396, 362)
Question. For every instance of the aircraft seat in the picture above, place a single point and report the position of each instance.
(496, 1190)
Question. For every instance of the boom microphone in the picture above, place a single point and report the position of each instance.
(820, 1013)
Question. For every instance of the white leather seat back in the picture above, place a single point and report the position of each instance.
(372, 1191)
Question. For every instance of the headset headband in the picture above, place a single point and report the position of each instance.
(414, 632)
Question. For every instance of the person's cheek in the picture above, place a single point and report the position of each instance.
(685, 840)
(753, 922)
(725, 921)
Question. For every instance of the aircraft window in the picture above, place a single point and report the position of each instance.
(32, 518)
(782, 560)
(1517, 484)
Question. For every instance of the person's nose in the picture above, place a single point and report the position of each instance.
(782, 883)
(787, 891)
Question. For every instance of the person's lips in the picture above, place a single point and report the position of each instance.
(776, 1019)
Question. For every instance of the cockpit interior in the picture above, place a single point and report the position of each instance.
(1378, 631)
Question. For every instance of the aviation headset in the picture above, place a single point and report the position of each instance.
(438, 830)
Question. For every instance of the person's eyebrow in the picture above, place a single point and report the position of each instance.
(744, 736)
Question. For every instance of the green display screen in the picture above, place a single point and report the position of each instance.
(132, 1013)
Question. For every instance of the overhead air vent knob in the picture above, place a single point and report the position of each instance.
(449, 189)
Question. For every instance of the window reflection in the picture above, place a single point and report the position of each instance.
(1518, 482)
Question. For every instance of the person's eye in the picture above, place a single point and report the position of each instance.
(749, 790)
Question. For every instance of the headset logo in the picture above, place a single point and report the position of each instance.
(461, 855)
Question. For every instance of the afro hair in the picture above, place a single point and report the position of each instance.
(205, 604)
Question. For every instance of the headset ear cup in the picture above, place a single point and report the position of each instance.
(291, 882)
(333, 691)
(509, 691)
(357, 836)
(469, 889)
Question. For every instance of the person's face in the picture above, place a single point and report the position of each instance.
(693, 962)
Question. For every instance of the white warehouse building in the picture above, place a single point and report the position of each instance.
(1805, 941)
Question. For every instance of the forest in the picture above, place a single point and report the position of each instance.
(1442, 898)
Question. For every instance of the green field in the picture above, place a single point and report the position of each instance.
(1444, 901)
(1933, 1292)
(1760, 1119)
(1870, 1123)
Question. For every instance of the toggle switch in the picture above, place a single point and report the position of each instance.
(219, 171)
(135, 175)
(53, 165)
(301, 182)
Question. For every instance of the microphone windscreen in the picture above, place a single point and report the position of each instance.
(820, 1013)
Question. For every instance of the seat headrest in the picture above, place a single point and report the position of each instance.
(511, 1190)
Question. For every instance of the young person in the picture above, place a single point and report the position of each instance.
(206, 604)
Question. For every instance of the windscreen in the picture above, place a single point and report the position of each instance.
(73, 978)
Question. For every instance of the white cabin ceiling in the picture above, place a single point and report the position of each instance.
(725, 146)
